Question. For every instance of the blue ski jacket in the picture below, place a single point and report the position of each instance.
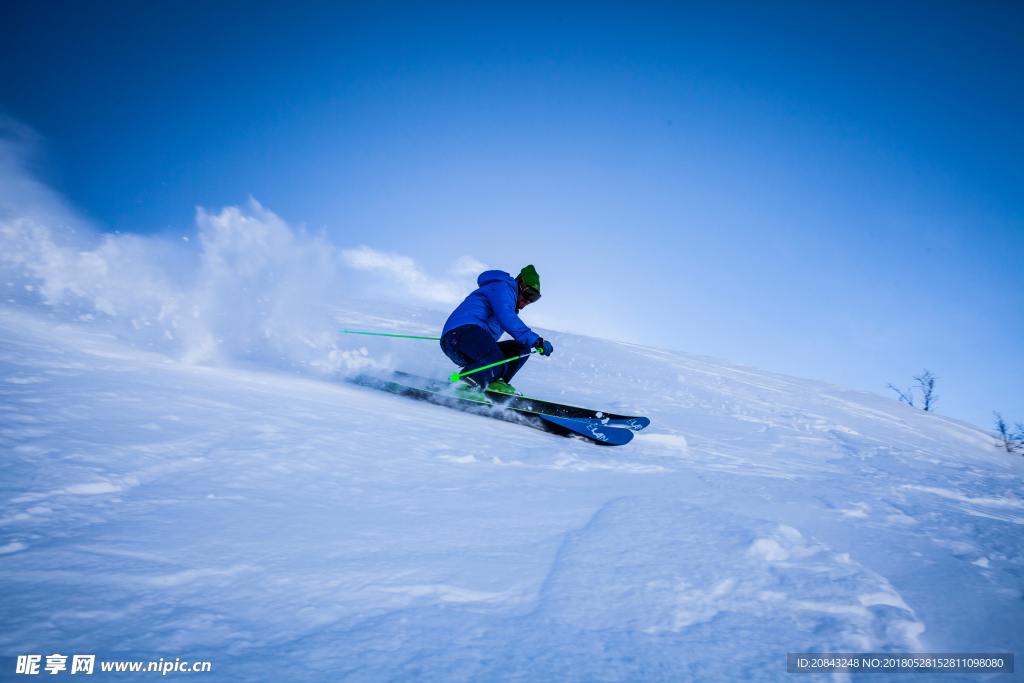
(493, 307)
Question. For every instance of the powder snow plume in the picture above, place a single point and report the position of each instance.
(254, 288)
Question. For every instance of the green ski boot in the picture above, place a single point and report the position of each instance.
(469, 390)
(502, 387)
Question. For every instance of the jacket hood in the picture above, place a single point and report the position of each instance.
(489, 276)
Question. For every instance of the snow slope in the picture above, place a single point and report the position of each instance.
(287, 526)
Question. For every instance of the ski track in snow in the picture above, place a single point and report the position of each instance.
(285, 527)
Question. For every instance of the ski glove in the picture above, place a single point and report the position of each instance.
(543, 347)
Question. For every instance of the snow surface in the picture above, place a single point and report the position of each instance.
(290, 527)
(186, 474)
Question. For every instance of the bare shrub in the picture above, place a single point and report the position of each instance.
(1013, 442)
(926, 385)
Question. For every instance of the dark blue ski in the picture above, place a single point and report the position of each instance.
(592, 430)
(535, 405)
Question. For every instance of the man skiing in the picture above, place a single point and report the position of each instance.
(470, 337)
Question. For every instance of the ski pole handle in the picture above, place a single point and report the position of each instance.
(455, 377)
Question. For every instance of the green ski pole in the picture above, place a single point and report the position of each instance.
(381, 334)
(456, 376)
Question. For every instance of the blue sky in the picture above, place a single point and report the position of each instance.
(831, 192)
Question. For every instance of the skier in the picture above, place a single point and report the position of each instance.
(470, 337)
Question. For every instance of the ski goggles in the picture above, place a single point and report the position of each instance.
(529, 293)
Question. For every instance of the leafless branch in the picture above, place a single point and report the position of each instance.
(907, 397)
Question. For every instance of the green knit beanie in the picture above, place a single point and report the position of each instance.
(529, 277)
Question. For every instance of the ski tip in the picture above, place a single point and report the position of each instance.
(596, 432)
(637, 423)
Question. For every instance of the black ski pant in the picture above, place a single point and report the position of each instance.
(471, 347)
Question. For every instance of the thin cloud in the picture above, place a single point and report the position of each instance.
(403, 271)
